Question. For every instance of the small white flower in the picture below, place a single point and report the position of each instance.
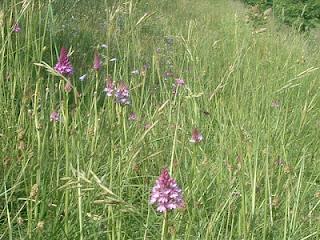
(83, 77)
(135, 72)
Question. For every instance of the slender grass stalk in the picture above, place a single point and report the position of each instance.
(8, 214)
(80, 209)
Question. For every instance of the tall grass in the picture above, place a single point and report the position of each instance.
(254, 97)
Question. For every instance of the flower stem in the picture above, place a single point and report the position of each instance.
(164, 234)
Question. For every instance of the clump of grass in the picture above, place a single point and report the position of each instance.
(231, 112)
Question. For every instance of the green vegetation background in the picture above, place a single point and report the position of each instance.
(253, 94)
(302, 14)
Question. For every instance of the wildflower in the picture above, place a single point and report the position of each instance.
(83, 77)
(54, 117)
(64, 66)
(68, 87)
(122, 94)
(16, 28)
(196, 136)
(132, 116)
(109, 89)
(135, 72)
(166, 194)
(179, 82)
(97, 62)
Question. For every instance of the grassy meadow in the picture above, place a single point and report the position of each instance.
(252, 93)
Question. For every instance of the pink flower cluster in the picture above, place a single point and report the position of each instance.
(166, 194)
(121, 93)
(196, 136)
(64, 66)
(55, 117)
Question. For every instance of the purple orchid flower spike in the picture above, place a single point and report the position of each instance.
(97, 64)
(110, 87)
(166, 194)
(63, 65)
(133, 116)
(196, 136)
(16, 28)
(55, 117)
(180, 82)
(122, 94)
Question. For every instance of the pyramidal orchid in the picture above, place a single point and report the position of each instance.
(54, 117)
(133, 116)
(16, 28)
(63, 65)
(110, 88)
(97, 64)
(196, 136)
(122, 94)
(166, 194)
(180, 82)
